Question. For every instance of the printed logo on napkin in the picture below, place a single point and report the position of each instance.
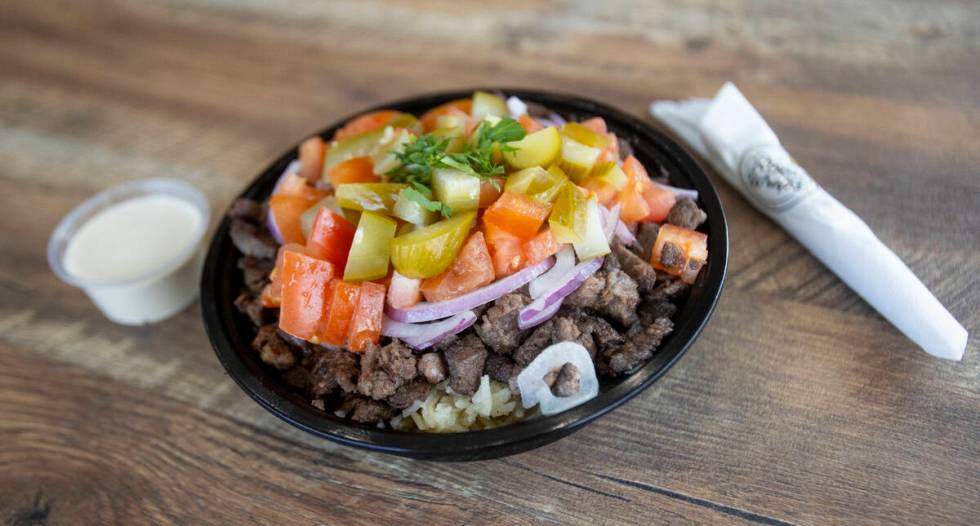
(773, 178)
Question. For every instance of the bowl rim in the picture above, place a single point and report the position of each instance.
(510, 438)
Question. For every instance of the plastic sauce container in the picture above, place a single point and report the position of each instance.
(135, 249)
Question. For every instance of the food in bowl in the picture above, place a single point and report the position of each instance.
(463, 269)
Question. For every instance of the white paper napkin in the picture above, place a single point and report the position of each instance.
(734, 138)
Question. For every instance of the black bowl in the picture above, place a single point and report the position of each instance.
(230, 332)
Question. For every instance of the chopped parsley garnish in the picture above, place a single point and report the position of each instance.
(422, 155)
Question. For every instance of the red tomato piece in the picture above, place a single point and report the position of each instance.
(295, 185)
(505, 250)
(343, 302)
(458, 106)
(311, 154)
(403, 292)
(596, 124)
(304, 288)
(471, 270)
(490, 193)
(605, 192)
(356, 170)
(659, 200)
(286, 210)
(272, 293)
(540, 247)
(365, 327)
(518, 214)
(365, 123)
(529, 123)
(330, 237)
(688, 255)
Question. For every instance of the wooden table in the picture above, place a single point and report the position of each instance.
(798, 404)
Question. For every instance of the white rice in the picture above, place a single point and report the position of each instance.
(444, 411)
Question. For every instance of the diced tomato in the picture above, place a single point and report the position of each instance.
(343, 302)
(295, 185)
(272, 293)
(356, 170)
(430, 117)
(540, 247)
(518, 214)
(611, 153)
(471, 270)
(596, 124)
(529, 123)
(692, 247)
(605, 192)
(365, 123)
(403, 292)
(490, 193)
(505, 250)
(311, 153)
(365, 327)
(659, 199)
(304, 293)
(286, 210)
(330, 237)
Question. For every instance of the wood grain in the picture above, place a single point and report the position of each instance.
(798, 405)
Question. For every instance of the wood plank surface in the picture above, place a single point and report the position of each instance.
(798, 404)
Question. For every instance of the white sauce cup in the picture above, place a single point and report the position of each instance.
(156, 294)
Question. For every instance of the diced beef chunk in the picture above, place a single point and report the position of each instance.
(668, 288)
(466, 360)
(273, 349)
(651, 310)
(432, 367)
(639, 269)
(365, 410)
(498, 367)
(252, 240)
(246, 209)
(498, 327)
(332, 368)
(599, 331)
(671, 255)
(646, 237)
(385, 369)
(620, 298)
(641, 342)
(255, 272)
(541, 337)
(408, 393)
(686, 214)
(587, 294)
(564, 381)
(251, 307)
(610, 292)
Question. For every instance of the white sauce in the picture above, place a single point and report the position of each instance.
(132, 238)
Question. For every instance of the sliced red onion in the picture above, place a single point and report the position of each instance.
(427, 311)
(552, 119)
(624, 234)
(541, 317)
(516, 107)
(424, 335)
(564, 261)
(610, 218)
(681, 192)
(270, 221)
(535, 391)
(572, 281)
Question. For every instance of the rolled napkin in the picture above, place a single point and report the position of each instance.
(730, 133)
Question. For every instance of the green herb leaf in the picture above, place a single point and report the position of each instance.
(427, 203)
